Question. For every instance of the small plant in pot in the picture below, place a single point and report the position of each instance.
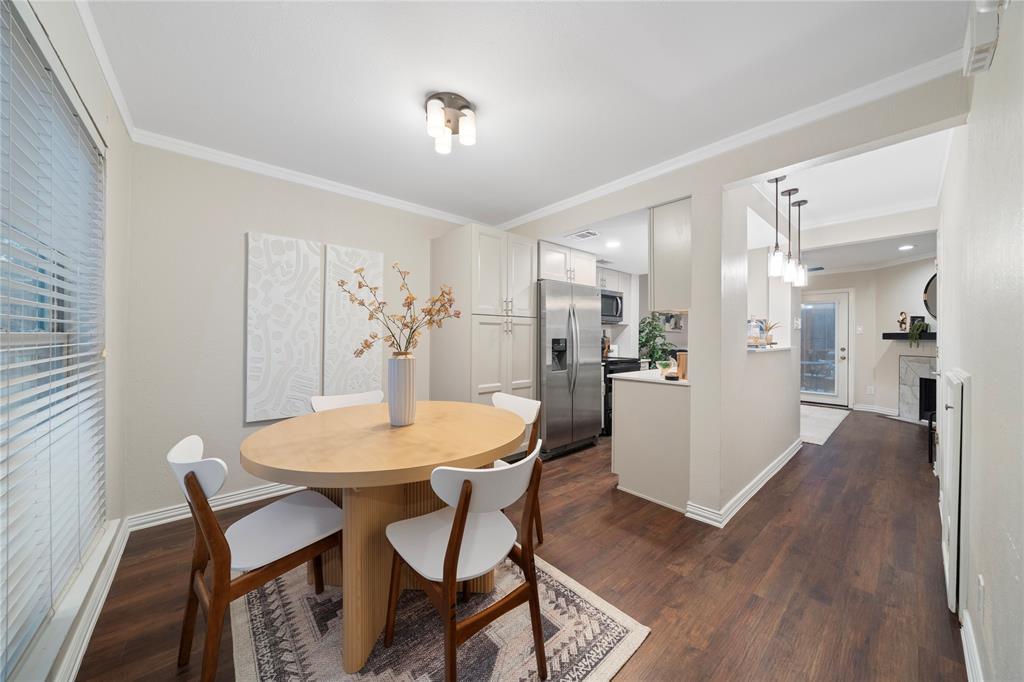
(767, 327)
(401, 333)
(653, 344)
(915, 331)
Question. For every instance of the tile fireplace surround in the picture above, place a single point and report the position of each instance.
(913, 368)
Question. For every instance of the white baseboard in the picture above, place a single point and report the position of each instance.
(887, 411)
(972, 660)
(719, 518)
(177, 512)
(57, 654)
(651, 499)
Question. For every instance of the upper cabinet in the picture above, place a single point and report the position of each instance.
(567, 265)
(612, 280)
(670, 258)
(504, 273)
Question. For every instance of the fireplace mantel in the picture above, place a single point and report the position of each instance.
(904, 336)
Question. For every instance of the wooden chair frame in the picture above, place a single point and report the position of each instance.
(443, 595)
(212, 545)
(531, 445)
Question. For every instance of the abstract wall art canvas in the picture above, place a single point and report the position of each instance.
(345, 325)
(283, 326)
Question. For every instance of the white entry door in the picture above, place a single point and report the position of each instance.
(824, 346)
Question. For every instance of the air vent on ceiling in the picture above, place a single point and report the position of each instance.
(604, 261)
(581, 235)
(816, 268)
(981, 39)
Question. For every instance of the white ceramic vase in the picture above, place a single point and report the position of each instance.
(402, 389)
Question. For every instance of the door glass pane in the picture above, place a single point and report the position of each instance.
(818, 348)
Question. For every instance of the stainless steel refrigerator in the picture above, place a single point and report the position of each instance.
(570, 365)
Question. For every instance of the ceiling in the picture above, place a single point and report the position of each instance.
(629, 231)
(872, 254)
(569, 95)
(901, 177)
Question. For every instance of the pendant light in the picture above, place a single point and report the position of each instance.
(789, 269)
(777, 259)
(801, 268)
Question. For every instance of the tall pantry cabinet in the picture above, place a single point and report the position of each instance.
(493, 346)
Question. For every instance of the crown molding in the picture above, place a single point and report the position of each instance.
(93, 32)
(172, 144)
(912, 77)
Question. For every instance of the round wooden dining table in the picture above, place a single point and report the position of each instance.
(379, 474)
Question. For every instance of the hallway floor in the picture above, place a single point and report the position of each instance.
(832, 571)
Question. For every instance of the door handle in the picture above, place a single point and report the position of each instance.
(842, 357)
(950, 407)
(843, 350)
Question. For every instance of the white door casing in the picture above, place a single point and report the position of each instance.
(825, 351)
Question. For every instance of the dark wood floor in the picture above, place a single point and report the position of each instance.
(832, 571)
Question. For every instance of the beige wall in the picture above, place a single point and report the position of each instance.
(64, 27)
(878, 297)
(186, 301)
(981, 265)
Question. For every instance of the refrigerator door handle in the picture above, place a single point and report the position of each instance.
(572, 349)
(574, 321)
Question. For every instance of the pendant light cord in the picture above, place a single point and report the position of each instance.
(789, 231)
(776, 216)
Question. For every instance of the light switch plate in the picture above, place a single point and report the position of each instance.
(869, 390)
(860, 329)
(797, 323)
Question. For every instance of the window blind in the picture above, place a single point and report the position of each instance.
(51, 340)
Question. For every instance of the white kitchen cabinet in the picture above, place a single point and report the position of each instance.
(584, 268)
(670, 236)
(521, 276)
(567, 265)
(555, 261)
(506, 356)
(493, 346)
(612, 280)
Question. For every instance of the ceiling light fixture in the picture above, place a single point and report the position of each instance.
(450, 114)
(906, 247)
(613, 244)
(789, 269)
(777, 260)
(801, 269)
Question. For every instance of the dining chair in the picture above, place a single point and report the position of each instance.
(322, 403)
(261, 546)
(529, 410)
(466, 540)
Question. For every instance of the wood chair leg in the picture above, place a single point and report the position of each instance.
(188, 624)
(214, 628)
(450, 646)
(465, 590)
(318, 573)
(393, 594)
(535, 620)
(536, 520)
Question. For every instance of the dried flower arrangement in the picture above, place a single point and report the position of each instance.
(402, 331)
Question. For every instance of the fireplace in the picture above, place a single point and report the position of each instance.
(927, 398)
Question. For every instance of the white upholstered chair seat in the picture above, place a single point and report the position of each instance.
(423, 540)
(280, 528)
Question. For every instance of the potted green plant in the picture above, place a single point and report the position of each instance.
(914, 333)
(653, 344)
(766, 330)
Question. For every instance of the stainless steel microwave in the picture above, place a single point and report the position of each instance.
(611, 306)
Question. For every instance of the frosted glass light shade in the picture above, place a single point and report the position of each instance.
(776, 263)
(467, 128)
(435, 118)
(789, 270)
(801, 276)
(443, 142)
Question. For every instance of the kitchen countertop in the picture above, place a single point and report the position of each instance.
(649, 376)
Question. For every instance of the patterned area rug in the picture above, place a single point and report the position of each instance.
(283, 632)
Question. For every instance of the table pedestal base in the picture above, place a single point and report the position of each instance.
(364, 568)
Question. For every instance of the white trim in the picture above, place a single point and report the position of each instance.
(972, 659)
(878, 212)
(851, 341)
(651, 499)
(93, 32)
(57, 649)
(718, 518)
(914, 76)
(252, 165)
(177, 512)
(887, 411)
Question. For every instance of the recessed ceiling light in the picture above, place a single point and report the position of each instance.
(906, 247)
(613, 244)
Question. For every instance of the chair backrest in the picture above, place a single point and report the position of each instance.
(187, 456)
(493, 489)
(525, 407)
(321, 403)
